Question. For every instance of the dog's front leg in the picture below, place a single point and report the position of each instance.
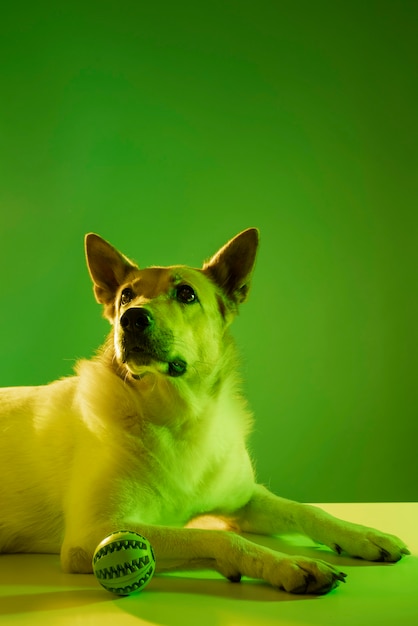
(268, 514)
(229, 554)
(234, 556)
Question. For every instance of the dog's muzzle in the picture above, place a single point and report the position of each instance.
(141, 344)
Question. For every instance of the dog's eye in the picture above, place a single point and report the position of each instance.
(126, 296)
(186, 294)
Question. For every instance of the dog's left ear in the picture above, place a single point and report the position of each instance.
(232, 265)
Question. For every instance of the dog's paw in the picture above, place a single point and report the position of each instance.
(370, 544)
(307, 576)
(294, 574)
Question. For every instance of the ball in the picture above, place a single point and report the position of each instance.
(124, 562)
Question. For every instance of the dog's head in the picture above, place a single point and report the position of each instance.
(171, 320)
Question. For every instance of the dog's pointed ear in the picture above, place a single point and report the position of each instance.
(108, 268)
(232, 265)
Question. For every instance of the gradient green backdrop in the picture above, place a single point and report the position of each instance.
(167, 127)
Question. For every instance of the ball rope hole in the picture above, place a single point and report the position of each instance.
(124, 562)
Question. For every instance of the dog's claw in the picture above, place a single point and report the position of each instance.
(302, 589)
(384, 555)
(236, 578)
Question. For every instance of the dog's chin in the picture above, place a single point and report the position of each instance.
(144, 372)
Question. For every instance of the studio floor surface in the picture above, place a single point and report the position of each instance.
(33, 590)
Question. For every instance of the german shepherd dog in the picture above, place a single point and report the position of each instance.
(151, 433)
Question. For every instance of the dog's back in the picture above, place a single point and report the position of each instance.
(35, 455)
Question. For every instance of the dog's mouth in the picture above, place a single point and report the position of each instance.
(144, 348)
(141, 360)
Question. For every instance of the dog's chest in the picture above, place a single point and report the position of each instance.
(193, 471)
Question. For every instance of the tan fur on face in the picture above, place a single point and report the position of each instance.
(182, 330)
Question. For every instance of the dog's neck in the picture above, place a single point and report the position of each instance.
(167, 400)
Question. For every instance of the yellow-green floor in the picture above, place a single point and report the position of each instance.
(33, 590)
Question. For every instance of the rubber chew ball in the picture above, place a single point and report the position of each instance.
(124, 562)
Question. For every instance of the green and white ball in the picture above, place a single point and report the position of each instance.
(124, 562)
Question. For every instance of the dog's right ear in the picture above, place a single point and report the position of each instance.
(108, 268)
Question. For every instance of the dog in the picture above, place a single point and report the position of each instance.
(151, 433)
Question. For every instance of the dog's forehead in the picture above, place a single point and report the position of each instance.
(154, 281)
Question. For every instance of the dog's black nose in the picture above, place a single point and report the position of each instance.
(136, 318)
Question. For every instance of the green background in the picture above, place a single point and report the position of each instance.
(167, 127)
